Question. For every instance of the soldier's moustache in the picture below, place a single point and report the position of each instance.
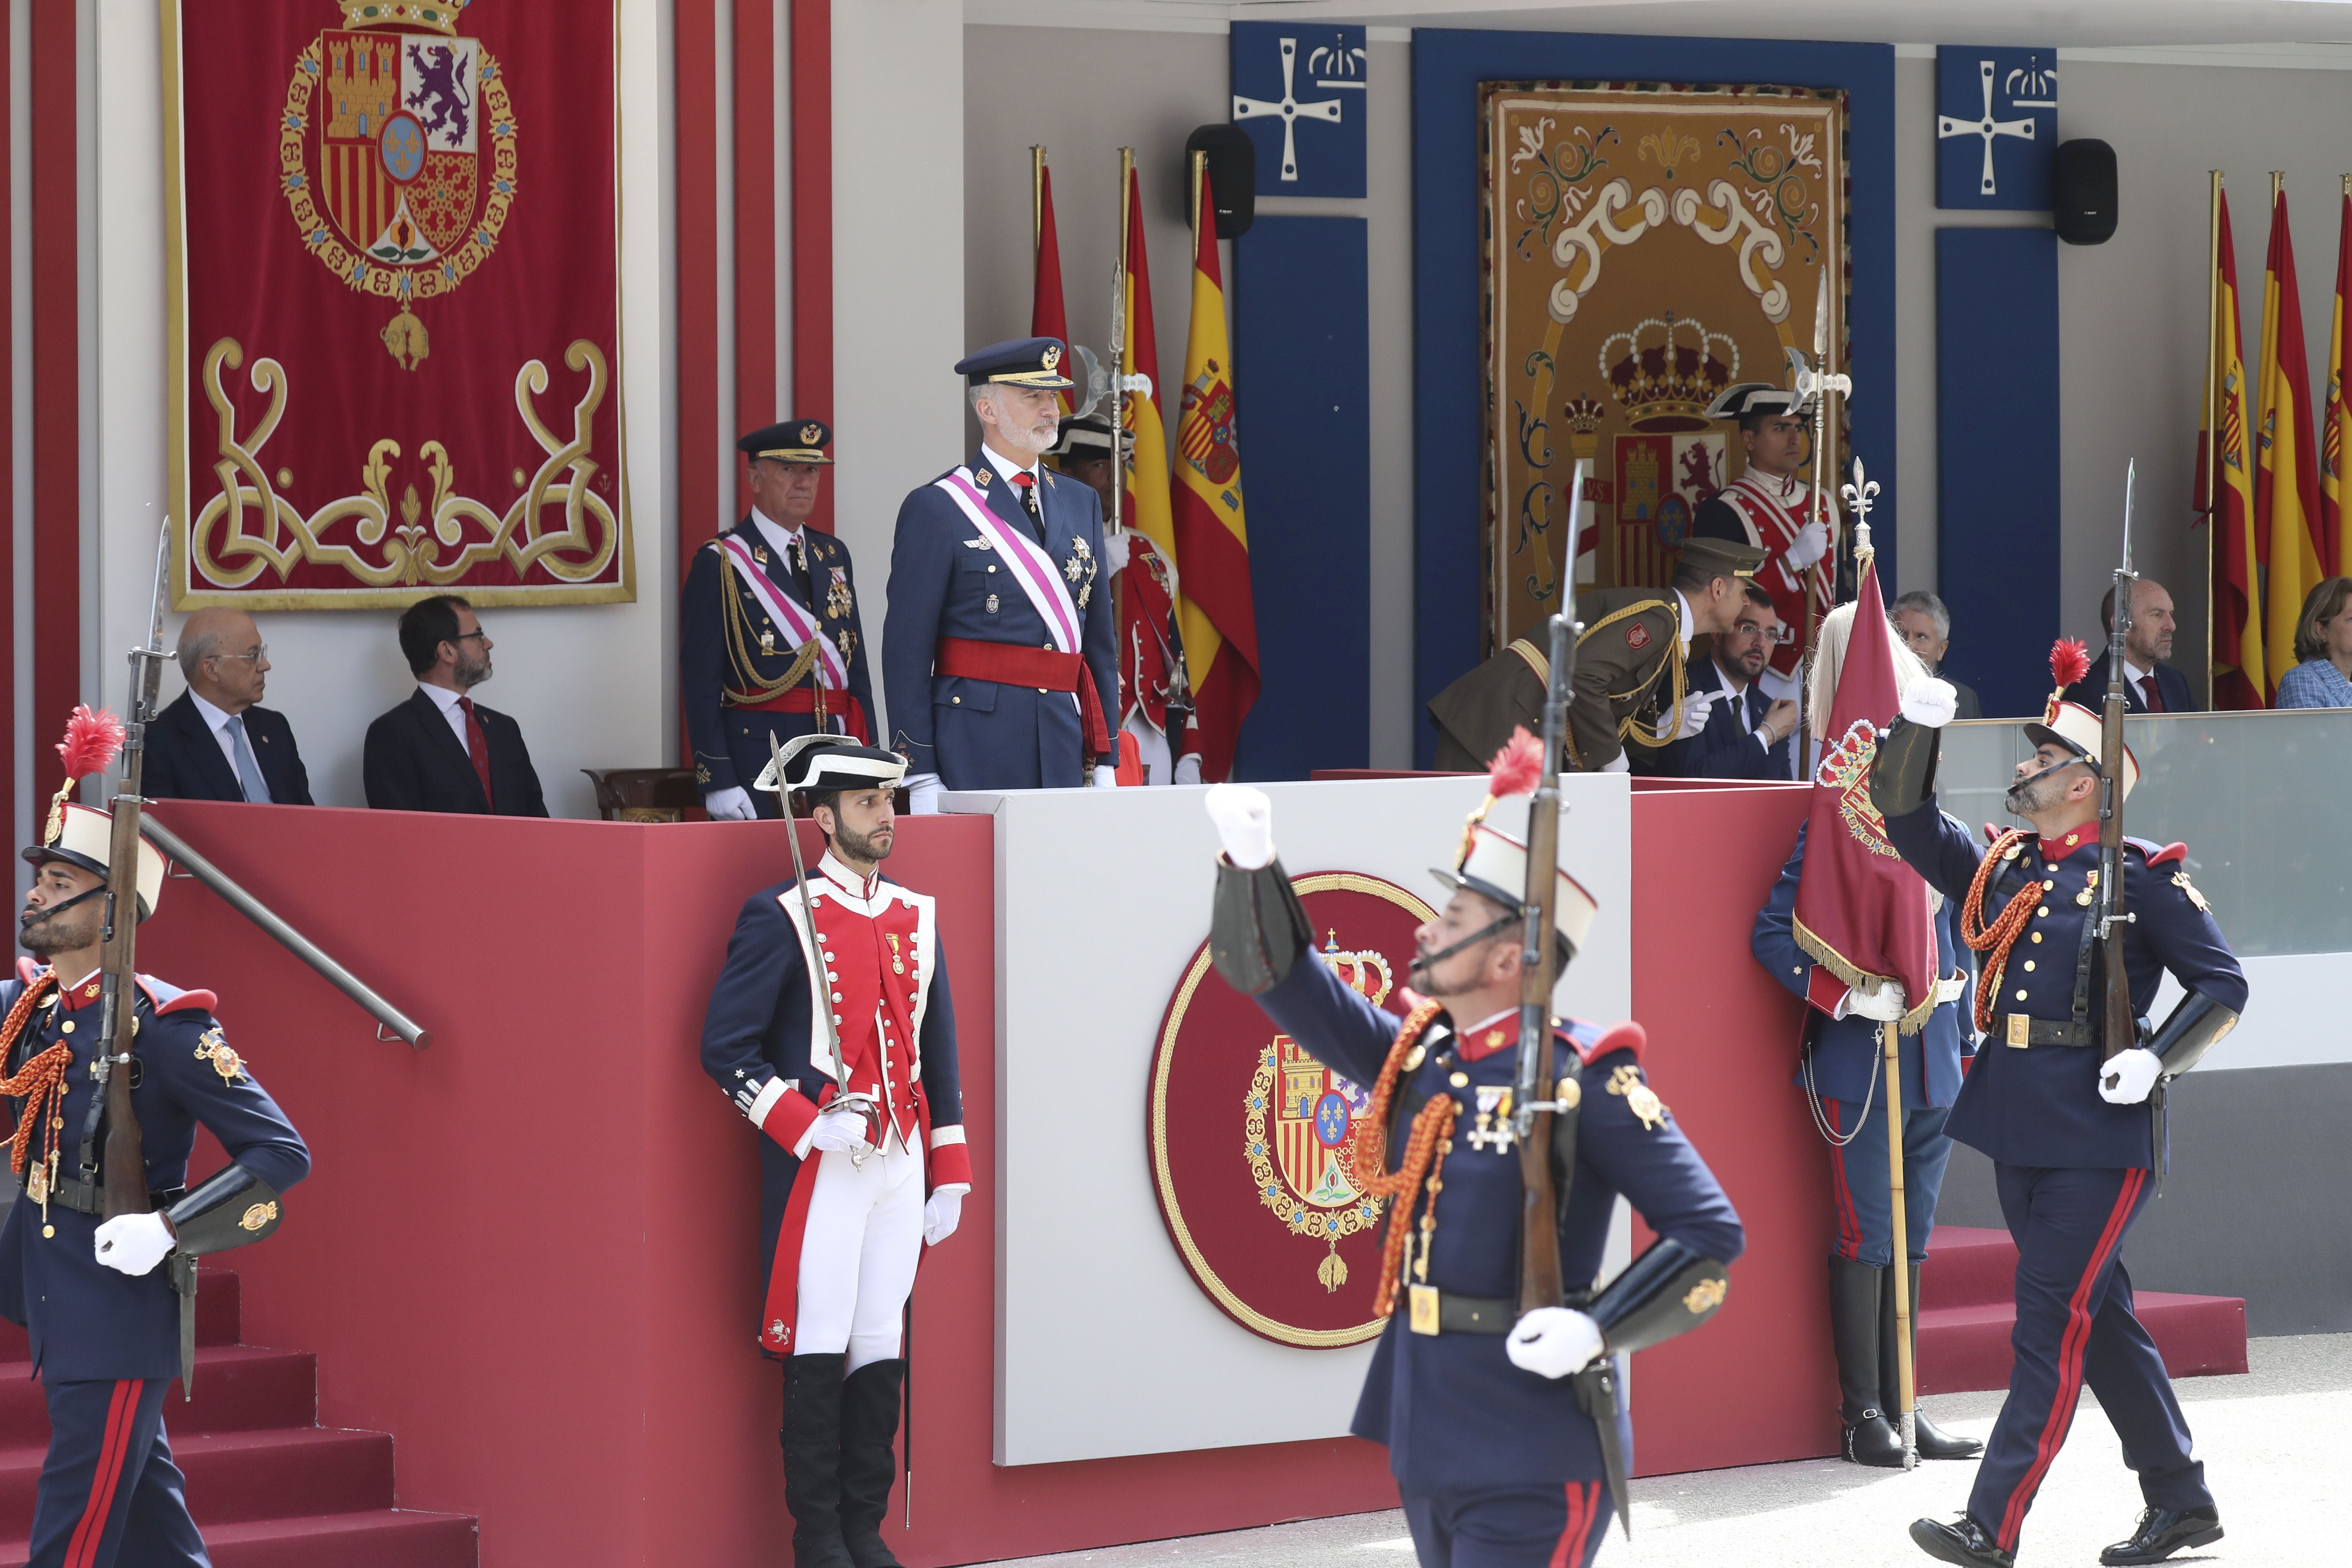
(2024, 796)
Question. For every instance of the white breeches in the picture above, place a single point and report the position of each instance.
(863, 1235)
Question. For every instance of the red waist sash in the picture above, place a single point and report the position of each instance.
(801, 699)
(1045, 669)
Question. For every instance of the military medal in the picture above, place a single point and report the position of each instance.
(991, 604)
(897, 965)
(1639, 1096)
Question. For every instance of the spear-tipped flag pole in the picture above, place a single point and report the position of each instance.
(1815, 383)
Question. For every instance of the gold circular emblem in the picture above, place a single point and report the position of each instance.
(1705, 1296)
(810, 434)
(257, 1215)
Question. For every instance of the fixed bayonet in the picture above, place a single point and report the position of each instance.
(2118, 1031)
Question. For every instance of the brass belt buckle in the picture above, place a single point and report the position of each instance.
(1422, 1303)
(2021, 1031)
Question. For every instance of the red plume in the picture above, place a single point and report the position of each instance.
(2069, 662)
(92, 741)
(1517, 768)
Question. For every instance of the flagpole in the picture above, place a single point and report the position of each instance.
(2212, 408)
(1900, 1269)
(1036, 203)
(1120, 283)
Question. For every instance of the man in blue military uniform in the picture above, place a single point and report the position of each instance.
(2073, 1139)
(862, 1163)
(769, 639)
(1498, 1465)
(101, 1301)
(999, 655)
(1841, 1072)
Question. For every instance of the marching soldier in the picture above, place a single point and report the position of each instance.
(999, 656)
(1770, 506)
(2073, 1139)
(103, 1302)
(1497, 1460)
(772, 643)
(852, 1078)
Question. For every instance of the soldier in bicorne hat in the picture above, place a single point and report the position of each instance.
(1770, 506)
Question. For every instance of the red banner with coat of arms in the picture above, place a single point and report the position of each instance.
(394, 277)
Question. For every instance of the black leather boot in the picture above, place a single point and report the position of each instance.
(811, 1440)
(1963, 1542)
(1933, 1441)
(1867, 1439)
(2163, 1531)
(870, 1427)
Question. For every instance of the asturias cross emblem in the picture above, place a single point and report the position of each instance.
(1986, 127)
(1290, 109)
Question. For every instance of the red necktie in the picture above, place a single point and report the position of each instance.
(479, 745)
(1027, 485)
(2147, 693)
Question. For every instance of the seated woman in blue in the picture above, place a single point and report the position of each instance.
(2323, 641)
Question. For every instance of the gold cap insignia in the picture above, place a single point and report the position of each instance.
(1052, 356)
(810, 434)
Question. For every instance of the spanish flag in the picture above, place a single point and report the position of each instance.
(1047, 319)
(2335, 424)
(2228, 507)
(1216, 613)
(2286, 475)
(1146, 464)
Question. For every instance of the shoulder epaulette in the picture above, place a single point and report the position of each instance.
(27, 970)
(1992, 832)
(1592, 1042)
(166, 997)
(2158, 854)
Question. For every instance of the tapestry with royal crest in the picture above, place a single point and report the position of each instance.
(1644, 246)
(394, 303)
(1253, 1143)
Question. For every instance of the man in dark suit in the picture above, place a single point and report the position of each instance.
(1926, 626)
(1731, 727)
(2150, 685)
(216, 741)
(441, 750)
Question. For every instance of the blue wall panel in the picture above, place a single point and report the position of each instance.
(1447, 67)
(1301, 309)
(1997, 469)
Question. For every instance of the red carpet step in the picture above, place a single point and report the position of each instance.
(1967, 1311)
(269, 1486)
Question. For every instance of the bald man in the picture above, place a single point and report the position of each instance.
(216, 743)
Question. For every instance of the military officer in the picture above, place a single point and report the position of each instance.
(771, 640)
(1770, 506)
(999, 657)
(101, 1301)
(1485, 1419)
(2071, 1137)
(852, 1079)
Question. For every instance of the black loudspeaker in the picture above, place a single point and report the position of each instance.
(1232, 176)
(2083, 192)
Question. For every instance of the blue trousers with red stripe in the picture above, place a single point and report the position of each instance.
(1510, 1527)
(110, 1496)
(2074, 1324)
(1858, 1185)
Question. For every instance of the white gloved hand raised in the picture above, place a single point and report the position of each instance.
(1886, 1005)
(133, 1243)
(1188, 768)
(2129, 1074)
(840, 1132)
(1931, 702)
(1698, 707)
(1245, 820)
(1105, 776)
(1812, 543)
(942, 1212)
(730, 805)
(1553, 1341)
(923, 791)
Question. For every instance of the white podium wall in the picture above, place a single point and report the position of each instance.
(1105, 1346)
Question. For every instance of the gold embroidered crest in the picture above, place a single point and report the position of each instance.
(811, 434)
(1705, 1296)
(2180, 880)
(1639, 1096)
(213, 1046)
(257, 1216)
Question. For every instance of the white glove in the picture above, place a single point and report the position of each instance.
(1812, 543)
(1698, 707)
(1115, 558)
(133, 1243)
(1105, 777)
(1553, 1341)
(1950, 989)
(1886, 1005)
(1245, 820)
(1931, 702)
(840, 1132)
(923, 791)
(942, 1212)
(1616, 764)
(1188, 768)
(730, 805)
(2125, 1080)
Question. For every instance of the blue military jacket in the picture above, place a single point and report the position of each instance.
(86, 1321)
(730, 744)
(2041, 1106)
(945, 581)
(1452, 1410)
(1848, 1057)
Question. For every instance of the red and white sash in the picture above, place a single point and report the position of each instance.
(799, 625)
(1773, 524)
(1032, 567)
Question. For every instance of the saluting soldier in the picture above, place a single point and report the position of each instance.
(1000, 658)
(2071, 1137)
(100, 1299)
(832, 1030)
(771, 640)
(1498, 1463)
(1770, 506)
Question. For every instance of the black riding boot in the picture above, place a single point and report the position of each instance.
(869, 1424)
(1867, 1437)
(811, 1440)
(1933, 1442)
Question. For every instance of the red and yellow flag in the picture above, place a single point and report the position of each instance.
(1147, 462)
(1216, 613)
(2335, 423)
(2239, 679)
(2286, 473)
(1047, 319)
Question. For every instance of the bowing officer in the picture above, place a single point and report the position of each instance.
(769, 638)
(1632, 680)
(1000, 654)
(108, 1304)
(2074, 1143)
(1485, 1423)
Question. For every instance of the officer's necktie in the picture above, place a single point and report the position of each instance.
(2152, 699)
(1027, 485)
(796, 557)
(479, 745)
(248, 767)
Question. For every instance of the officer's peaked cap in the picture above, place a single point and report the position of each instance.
(794, 441)
(1025, 362)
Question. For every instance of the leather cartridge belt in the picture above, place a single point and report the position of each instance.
(1016, 664)
(1469, 1314)
(2022, 1033)
(89, 1198)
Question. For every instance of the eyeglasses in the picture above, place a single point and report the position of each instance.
(1781, 633)
(465, 636)
(260, 651)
